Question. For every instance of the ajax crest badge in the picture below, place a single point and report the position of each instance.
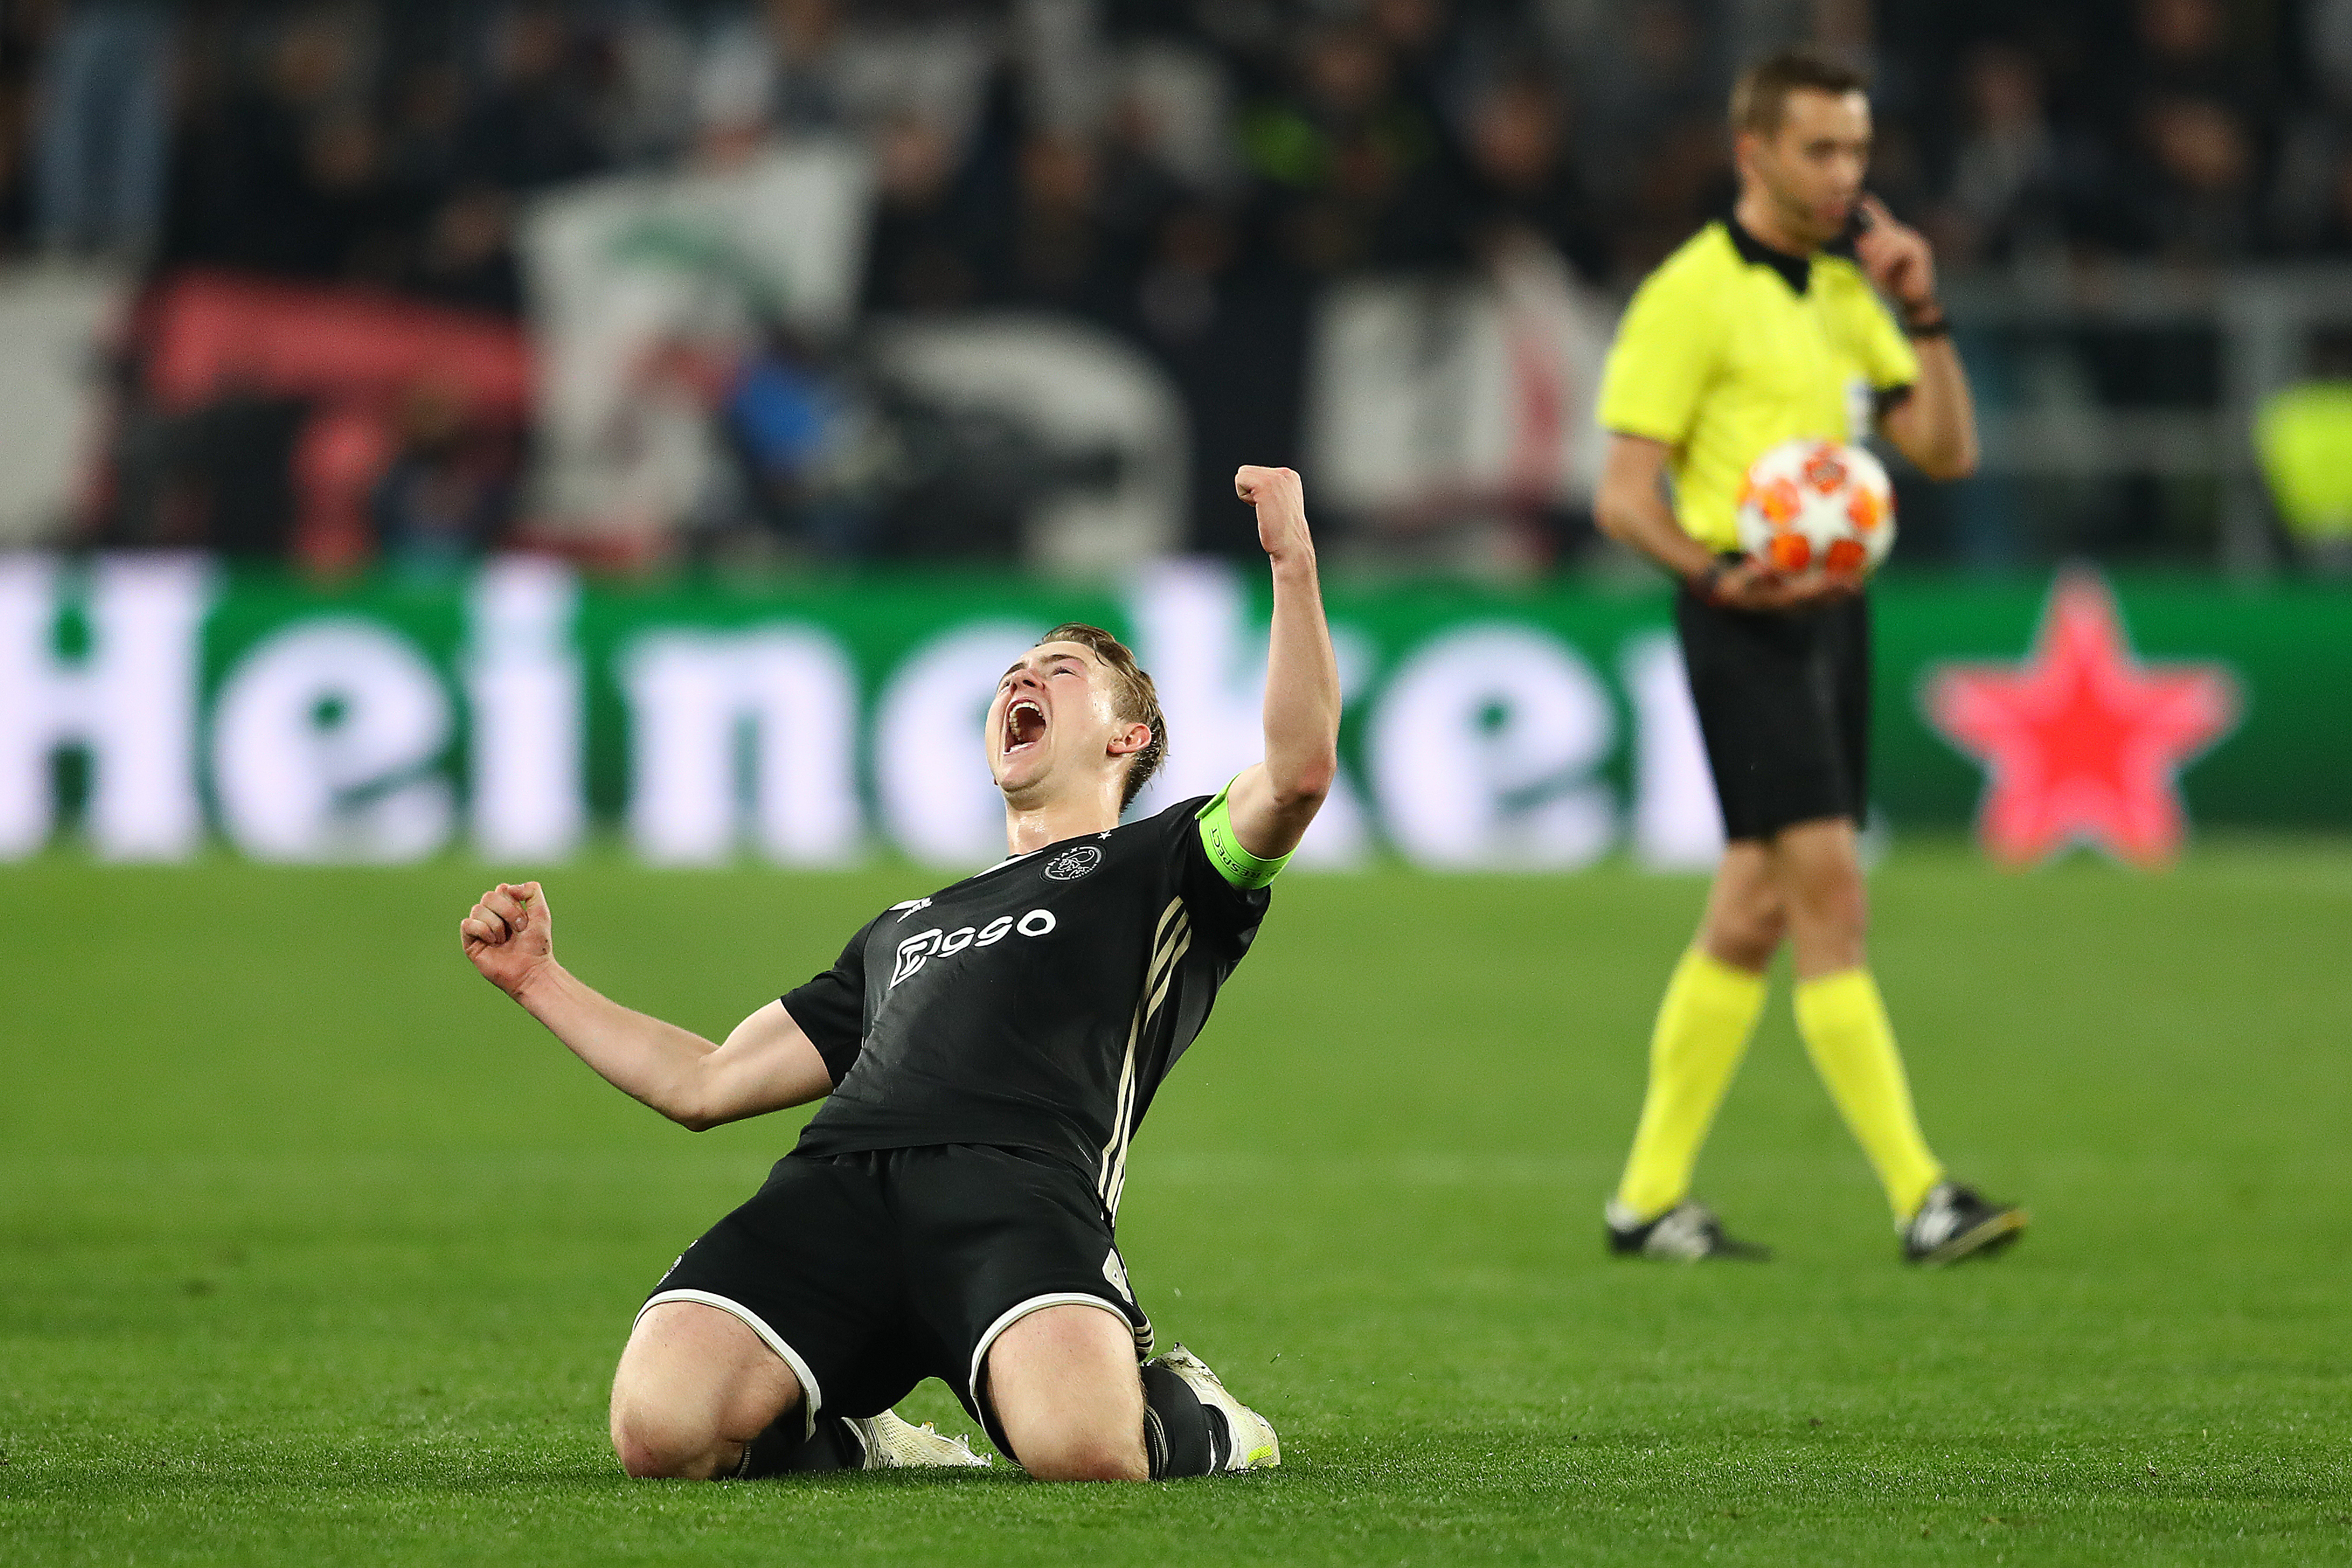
(1074, 863)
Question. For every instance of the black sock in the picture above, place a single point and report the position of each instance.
(1181, 1435)
(782, 1451)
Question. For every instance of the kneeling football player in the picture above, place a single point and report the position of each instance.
(985, 1055)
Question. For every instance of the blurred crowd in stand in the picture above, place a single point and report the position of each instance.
(1183, 172)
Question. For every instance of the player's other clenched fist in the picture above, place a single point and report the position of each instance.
(509, 935)
(1280, 496)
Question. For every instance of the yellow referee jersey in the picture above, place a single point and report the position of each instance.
(1730, 349)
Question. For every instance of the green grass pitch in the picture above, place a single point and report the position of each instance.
(313, 1250)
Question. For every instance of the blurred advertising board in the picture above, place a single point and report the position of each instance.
(150, 704)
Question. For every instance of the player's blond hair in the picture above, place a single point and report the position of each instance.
(1759, 98)
(1134, 699)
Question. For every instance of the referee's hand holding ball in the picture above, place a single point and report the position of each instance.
(1753, 585)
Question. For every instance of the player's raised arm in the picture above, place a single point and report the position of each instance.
(766, 1064)
(1273, 802)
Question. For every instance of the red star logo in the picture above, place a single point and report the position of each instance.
(2082, 742)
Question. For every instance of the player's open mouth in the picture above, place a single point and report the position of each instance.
(1025, 725)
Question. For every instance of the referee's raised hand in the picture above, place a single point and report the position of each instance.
(1895, 257)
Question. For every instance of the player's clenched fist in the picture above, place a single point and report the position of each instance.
(1280, 496)
(509, 935)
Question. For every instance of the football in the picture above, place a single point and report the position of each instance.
(1810, 503)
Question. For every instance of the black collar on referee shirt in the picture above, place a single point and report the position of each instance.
(1796, 270)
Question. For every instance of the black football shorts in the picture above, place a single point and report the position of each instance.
(870, 1272)
(1784, 702)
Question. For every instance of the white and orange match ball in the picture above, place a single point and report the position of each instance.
(1807, 503)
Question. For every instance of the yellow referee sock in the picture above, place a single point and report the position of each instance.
(1710, 1009)
(1843, 1021)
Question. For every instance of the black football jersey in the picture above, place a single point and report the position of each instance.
(1035, 1005)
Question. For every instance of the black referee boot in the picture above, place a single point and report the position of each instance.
(1954, 1222)
(1686, 1233)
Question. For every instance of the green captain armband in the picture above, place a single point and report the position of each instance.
(1236, 865)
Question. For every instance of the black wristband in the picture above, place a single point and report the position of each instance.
(1702, 583)
(1938, 325)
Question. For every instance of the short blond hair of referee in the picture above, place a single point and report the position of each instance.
(1809, 312)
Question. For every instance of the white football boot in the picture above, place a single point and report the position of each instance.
(893, 1443)
(1250, 1442)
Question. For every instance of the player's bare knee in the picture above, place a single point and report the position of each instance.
(651, 1448)
(642, 1461)
(655, 1437)
(1086, 1456)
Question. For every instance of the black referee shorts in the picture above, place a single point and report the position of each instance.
(1784, 702)
(870, 1272)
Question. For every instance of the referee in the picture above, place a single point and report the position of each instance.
(1773, 325)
